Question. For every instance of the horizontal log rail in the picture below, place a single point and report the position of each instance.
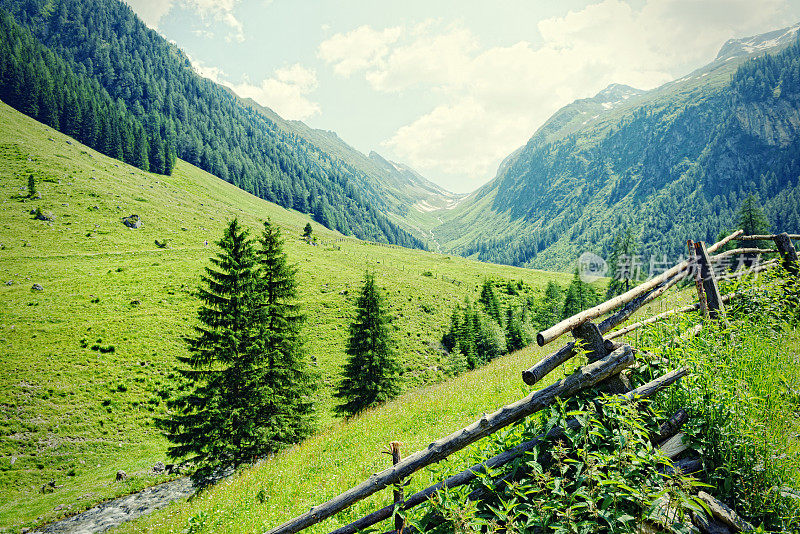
(468, 475)
(685, 309)
(546, 336)
(585, 377)
(736, 251)
(753, 270)
(764, 237)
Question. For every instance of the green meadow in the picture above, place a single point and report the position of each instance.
(89, 360)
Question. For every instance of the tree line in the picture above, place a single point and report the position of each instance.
(104, 43)
(42, 85)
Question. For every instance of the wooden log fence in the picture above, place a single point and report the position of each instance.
(586, 377)
(606, 360)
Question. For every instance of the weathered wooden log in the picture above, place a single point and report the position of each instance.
(674, 446)
(670, 427)
(691, 307)
(654, 386)
(686, 466)
(708, 525)
(459, 479)
(764, 237)
(470, 474)
(722, 512)
(584, 377)
(651, 320)
(724, 241)
(633, 306)
(546, 336)
(788, 253)
(548, 363)
(715, 258)
(716, 308)
(592, 340)
(667, 516)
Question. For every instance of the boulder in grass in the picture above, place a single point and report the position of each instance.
(158, 467)
(121, 475)
(37, 287)
(132, 221)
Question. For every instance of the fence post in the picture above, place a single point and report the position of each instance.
(716, 307)
(787, 252)
(698, 279)
(591, 337)
(399, 521)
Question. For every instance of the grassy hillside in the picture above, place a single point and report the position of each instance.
(87, 361)
(741, 396)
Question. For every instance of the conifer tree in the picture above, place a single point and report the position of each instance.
(751, 218)
(287, 412)
(371, 373)
(579, 297)
(489, 300)
(307, 232)
(244, 351)
(31, 186)
(515, 339)
(549, 311)
(620, 263)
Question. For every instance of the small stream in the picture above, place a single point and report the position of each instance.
(113, 513)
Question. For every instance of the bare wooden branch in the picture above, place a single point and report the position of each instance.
(470, 474)
(585, 377)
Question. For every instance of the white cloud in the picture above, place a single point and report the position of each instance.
(358, 49)
(210, 11)
(492, 99)
(285, 91)
(150, 11)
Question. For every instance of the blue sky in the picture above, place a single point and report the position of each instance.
(448, 87)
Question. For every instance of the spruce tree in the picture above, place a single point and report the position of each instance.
(621, 263)
(236, 407)
(489, 300)
(580, 296)
(307, 232)
(371, 373)
(287, 413)
(31, 186)
(549, 311)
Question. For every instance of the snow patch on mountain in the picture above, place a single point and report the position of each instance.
(758, 43)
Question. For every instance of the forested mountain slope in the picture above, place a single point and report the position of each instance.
(103, 42)
(674, 162)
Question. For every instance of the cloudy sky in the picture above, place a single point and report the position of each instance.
(449, 87)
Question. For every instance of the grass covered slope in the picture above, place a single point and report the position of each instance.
(741, 397)
(88, 360)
